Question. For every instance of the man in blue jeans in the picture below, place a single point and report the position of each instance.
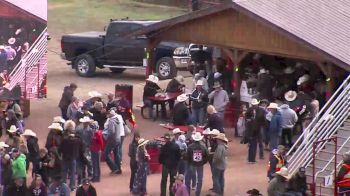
(113, 142)
(219, 164)
(197, 155)
(200, 100)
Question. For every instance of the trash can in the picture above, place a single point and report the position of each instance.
(153, 149)
(125, 90)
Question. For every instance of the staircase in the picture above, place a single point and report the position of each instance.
(33, 62)
(331, 121)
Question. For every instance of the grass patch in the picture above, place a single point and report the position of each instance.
(68, 16)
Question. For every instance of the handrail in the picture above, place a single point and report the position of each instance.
(32, 57)
(330, 161)
(323, 126)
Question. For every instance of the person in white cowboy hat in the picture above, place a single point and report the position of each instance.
(275, 128)
(198, 156)
(289, 70)
(142, 158)
(176, 85)
(279, 184)
(169, 157)
(11, 41)
(94, 97)
(150, 90)
(181, 113)
(13, 120)
(58, 119)
(55, 136)
(265, 85)
(289, 120)
(200, 77)
(219, 163)
(66, 99)
(303, 79)
(200, 100)
(255, 122)
(214, 121)
(177, 132)
(33, 149)
(290, 95)
(219, 98)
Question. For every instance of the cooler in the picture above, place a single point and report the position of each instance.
(154, 165)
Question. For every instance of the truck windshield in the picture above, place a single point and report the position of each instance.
(118, 29)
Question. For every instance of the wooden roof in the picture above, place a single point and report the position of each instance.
(36, 10)
(286, 28)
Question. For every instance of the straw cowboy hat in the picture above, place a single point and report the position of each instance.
(180, 79)
(290, 95)
(199, 83)
(197, 136)
(255, 102)
(289, 70)
(182, 98)
(177, 131)
(142, 142)
(2, 47)
(85, 119)
(217, 85)
(303, 79)
(214, 132)
(3, 145)
(273, 106)
(222, 137)
(283, 172)
(29, 132)
(153, 79)
(56, 126)
(93, 94)
(12, 40)
(58, 119)
(206, 131)
(12, 129)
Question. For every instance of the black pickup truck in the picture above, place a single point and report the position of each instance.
(113, 50)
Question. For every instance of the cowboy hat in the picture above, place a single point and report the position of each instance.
(262, 71)
(222, 137)
(153, 79)
(182, 98)
(214, 132)
(177, 131)
(85, 119)
(254, 192)
(346, 156)
(142, 142)
(273, 106)
(56, 126)
(180, 79)
(303, 79)
(93, 94)
(217, 75)
(289, 70)
(197, 136)
(283, 172)
(12, 129)
(255, 102)
(2, 47)
(206, 131)
(290, 95)
(29, 132)
(3, 145)
(199, 83)
(58, 119)
(12, 40)
(217, 85)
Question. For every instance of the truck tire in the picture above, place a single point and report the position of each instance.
(85, 65)
(117, 70)
(166, 68)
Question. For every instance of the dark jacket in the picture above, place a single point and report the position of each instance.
(170, 155)
(197, 154)
(150, 90)
(54, 139)
(43, 169)
(298, 183)
(33, 149)
(277, 187)
(71, 148)
(199, 99)
(180, 114)
(215, 122)
(6, 173)
(99, 117)
(264, 86)
(13, 190)
(42, 191)
(255, 119)
(174, 86)
(132, 151)
(66, 98)
(81, 192)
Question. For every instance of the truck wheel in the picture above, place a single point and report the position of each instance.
(166, 68)
(117, 70)
(85, 65)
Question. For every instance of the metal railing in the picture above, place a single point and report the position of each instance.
(323, 126)
(36, 51)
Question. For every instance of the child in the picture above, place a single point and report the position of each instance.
(96, 148)
(179, 188)
(44, 165)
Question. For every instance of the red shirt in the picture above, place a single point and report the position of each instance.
(97, 142)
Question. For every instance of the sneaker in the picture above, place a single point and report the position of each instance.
(194, 188)
(117, 172)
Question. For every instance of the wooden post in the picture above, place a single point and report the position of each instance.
(328, 71)
(150, 55)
